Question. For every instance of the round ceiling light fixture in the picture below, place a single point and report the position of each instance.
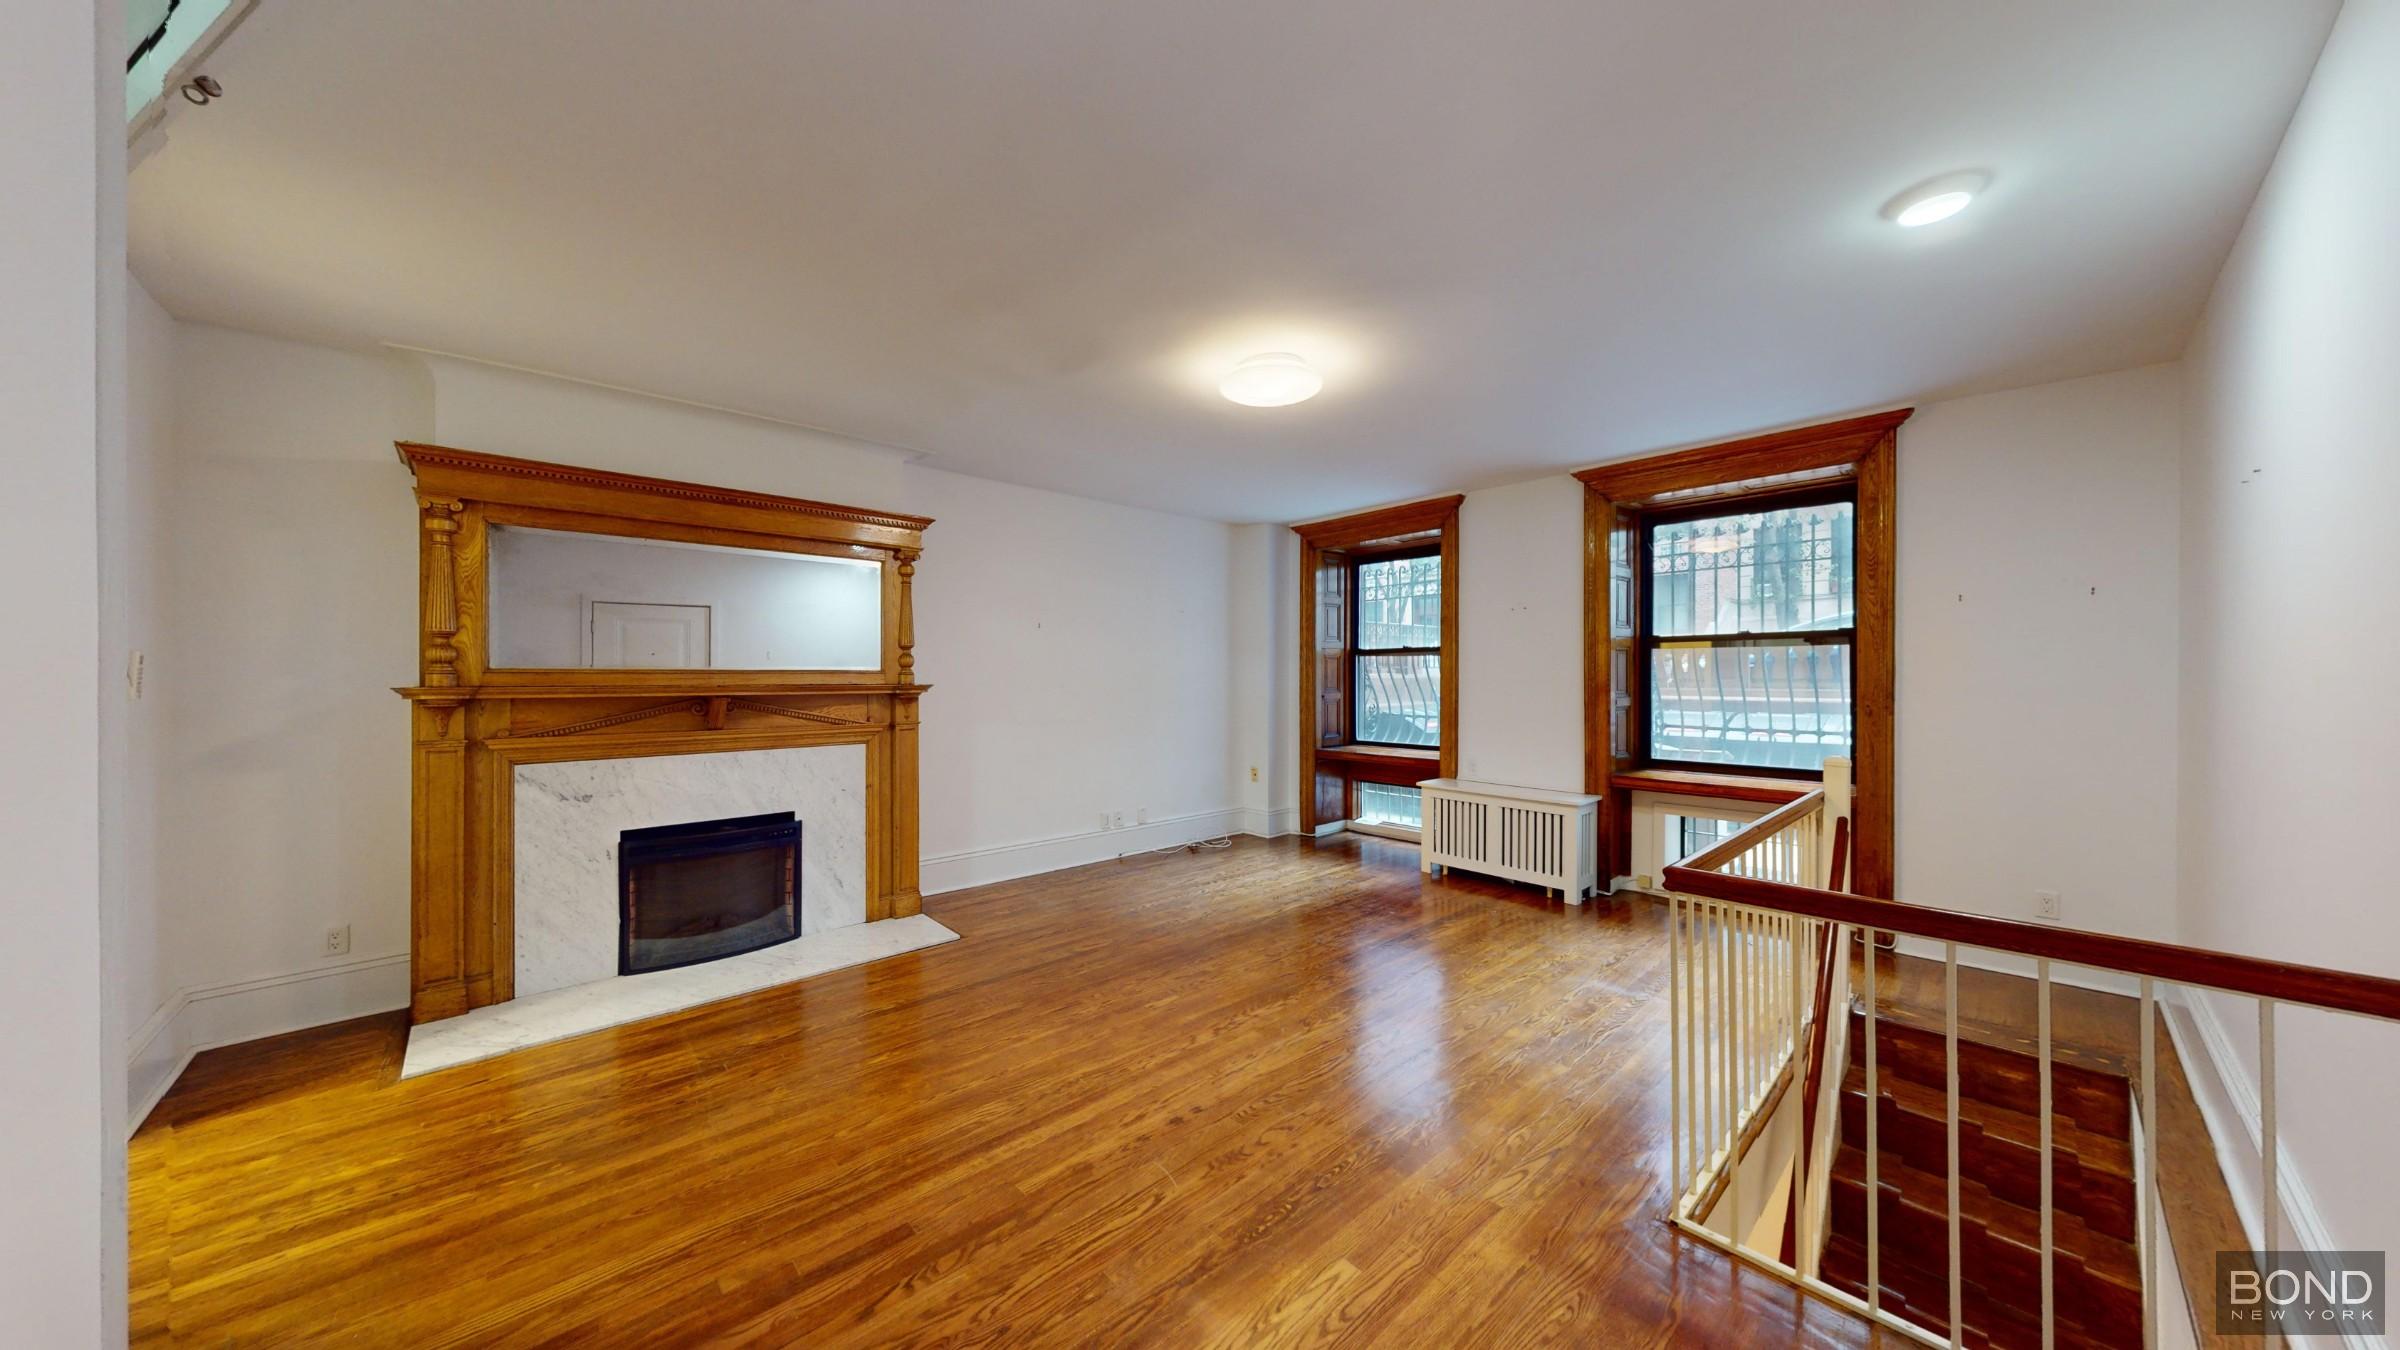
(1938, 199)
(1271, 380)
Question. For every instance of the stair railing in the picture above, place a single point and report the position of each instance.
(1745, 982)
(1746, 917)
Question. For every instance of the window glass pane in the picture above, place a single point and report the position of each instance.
(1781, 571)
(1763, 704)
(1687, 835)
(1388, 804)
(1399, 699)
(1400, 603)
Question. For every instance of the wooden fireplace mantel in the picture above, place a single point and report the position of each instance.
(473, 725)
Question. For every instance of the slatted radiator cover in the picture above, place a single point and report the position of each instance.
(1550, 839)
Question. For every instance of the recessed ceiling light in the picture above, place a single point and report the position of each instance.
(1271, 380)
(1939, 199)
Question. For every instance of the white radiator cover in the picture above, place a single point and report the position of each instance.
(1549, 839)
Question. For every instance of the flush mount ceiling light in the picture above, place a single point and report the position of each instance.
(1271, 380)
(1939, 199)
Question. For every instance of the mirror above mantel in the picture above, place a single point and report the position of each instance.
(567, 599)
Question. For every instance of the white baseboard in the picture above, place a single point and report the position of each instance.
(193, 1020)
(983, 866)
(1270, 824)
(2228, 1099)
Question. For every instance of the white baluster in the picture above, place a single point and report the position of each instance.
(1958, 1296)
(2271, 1210)
(2144, 1204)
(1675, 1066)
(2041, 970)
(1874, 1118)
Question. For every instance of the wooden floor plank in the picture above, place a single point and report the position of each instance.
(1291, 1093)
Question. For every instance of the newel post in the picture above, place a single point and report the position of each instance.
(1837, 808)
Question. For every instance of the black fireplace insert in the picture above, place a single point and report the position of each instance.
(710, 889)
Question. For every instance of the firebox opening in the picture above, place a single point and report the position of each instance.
(706, 890)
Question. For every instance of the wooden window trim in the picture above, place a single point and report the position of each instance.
(1861, 450)
(1325, 788)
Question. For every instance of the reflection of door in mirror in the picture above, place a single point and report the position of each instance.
(625, 635)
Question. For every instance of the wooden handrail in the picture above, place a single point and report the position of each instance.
(1748, 837)
(2257, 977)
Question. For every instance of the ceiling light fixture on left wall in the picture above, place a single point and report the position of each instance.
(1271, 380)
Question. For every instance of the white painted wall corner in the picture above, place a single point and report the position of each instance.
(193, 1020)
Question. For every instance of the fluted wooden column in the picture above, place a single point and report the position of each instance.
(437, 874)
(906, 898)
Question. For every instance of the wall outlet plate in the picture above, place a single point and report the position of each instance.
(2046, 905)
(337, 940)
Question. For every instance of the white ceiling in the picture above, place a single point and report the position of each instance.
(1025, 237)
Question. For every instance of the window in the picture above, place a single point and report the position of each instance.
(1389, 804)
(1748, 633)
(1396, 649)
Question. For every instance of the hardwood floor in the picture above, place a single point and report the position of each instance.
(1284, 1094)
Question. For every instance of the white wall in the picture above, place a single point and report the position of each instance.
(2035, 650)
(133, 578)
(290, 618)
(2291, 616)
(1520, 634)
(1265, 692)
(62, 1156)
(1079, 652)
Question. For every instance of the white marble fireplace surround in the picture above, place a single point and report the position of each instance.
(568, 818)
(570, 813)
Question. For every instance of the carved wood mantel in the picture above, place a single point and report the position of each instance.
(472, 725)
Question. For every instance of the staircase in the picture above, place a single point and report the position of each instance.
(2096, 1267)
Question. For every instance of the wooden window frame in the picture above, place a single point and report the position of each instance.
(1331, 764)
(1646, 638)
(1617, 498)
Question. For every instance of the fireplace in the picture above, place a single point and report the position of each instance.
(710, 889)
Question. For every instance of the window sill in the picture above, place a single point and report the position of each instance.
(1424, 752)
(1727, 786)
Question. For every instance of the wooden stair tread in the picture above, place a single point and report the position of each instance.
(1999, 1150)
(2094, 1100)
(1923, 1297)
(2106, 1258)
(2094, 1151)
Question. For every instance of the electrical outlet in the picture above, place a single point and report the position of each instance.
(1107, 821)
(337, 941)
(2045, 905)
(1116, 820)
(1142, 816)
(1253, 773)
